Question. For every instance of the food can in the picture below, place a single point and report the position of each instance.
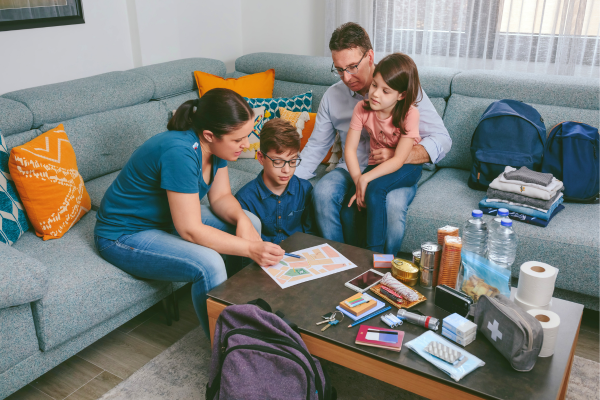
(417, 257)
(405, 271)
(431, 255)
(426, 277)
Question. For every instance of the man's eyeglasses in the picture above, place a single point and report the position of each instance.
(352, 70)
(278, 163)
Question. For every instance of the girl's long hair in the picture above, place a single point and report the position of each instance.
(400, 73)
(219, 111)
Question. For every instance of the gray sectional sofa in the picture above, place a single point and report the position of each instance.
(59, 296)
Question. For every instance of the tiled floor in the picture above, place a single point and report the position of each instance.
(101, 366)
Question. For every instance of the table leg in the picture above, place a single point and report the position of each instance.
(565, 382)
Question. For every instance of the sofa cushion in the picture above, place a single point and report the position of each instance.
(21, 138)
(104, 142)
(177, 77)
(463, 113)
(173, 103)
(23, 279)
(17, 336)
(554, 90)
(52, 191)
(439, 104)
(15, 117)
(259, 84)
(98, 186)
(62, 101)
(83, 290)
(571, 235)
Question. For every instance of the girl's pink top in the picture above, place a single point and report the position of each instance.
(382, 132)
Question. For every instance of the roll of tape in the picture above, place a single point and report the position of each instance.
(536, 283)
(550, 323)
(526, 306)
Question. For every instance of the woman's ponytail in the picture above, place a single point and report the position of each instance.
(218, 110)
(182, 118)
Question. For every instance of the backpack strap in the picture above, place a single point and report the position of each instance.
(265, 306)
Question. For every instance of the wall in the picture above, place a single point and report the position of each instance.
(284, 26)
(34, 57)
(175, 29)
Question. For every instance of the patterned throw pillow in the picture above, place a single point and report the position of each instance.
(301, 102)
(45, 173)
(255, 85)
(13, 221)
(254, 136)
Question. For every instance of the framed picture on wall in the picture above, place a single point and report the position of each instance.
(28, 14)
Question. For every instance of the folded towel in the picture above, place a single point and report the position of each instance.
(532, 190)
(524, 217)
(519, 199)
(526, 175)
(521, 209)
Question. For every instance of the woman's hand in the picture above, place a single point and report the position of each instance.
(265, 253)
(246, 230)
(361, 188)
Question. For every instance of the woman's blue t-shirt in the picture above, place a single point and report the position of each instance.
(137, 200)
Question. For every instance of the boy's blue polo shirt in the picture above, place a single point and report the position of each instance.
(137, 200)
(281, 216)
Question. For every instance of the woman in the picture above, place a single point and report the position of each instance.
(150, 222)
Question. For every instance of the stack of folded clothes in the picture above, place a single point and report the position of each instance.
(531, 197)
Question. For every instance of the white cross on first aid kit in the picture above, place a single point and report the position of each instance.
(496, 334)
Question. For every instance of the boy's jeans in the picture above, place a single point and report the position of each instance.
(341, 223)
(159, 255)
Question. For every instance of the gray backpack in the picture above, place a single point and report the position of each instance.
(513, 332)
(258, 355)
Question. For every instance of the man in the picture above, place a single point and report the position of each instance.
(353, 62)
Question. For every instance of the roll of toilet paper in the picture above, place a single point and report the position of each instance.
(550, 323)
(526, 306)
(536, 283)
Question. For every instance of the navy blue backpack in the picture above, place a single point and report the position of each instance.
(509, 132)
(571, 155)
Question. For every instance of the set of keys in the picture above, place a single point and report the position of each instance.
(330, 320)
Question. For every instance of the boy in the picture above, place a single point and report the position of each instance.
(280, 199)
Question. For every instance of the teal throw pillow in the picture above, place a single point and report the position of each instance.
(13, 221)
(299, 103)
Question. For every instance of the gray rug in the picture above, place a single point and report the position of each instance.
(181, 372)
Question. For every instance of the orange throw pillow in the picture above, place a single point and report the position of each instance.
(256, 85)
(45, 173)
(307, 131)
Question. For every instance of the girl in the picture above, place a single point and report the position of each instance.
(392, 120)
(150, 223)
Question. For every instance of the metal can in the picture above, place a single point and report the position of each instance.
(405, 271)
(417, 257)
(431, 255)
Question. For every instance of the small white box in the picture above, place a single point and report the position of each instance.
(460, 340)
(460, 326)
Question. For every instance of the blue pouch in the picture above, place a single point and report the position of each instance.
(457, 373)
(479, 276)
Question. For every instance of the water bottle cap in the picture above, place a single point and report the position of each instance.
(503, 212)
(477, 213)
(506, 222)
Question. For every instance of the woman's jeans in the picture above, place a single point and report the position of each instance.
(156, 254)
(375, 200)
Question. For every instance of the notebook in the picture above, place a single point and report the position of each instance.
(365, 303)
(379, 306)
(379, 337)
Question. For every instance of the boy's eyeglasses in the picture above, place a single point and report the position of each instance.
(352, 70)
(278, 163)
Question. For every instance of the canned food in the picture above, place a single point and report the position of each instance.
(417, 257)
(431, 255)
(404, 269)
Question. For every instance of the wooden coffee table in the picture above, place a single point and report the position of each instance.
(305, 303)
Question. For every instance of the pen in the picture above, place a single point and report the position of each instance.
(292, 255)
(360, 321)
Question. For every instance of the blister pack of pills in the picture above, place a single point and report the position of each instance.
(444, 352)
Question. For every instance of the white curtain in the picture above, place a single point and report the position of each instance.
(338, 12)
(541, 36)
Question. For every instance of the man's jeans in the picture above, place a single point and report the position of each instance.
(341, 223)
(159, 255)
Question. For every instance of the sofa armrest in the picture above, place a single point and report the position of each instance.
(22, 279)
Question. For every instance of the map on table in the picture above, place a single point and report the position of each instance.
(317, 262)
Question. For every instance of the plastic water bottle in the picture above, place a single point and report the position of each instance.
(475, 234)
(503, 244)
(495, 223)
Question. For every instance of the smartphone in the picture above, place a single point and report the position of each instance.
(363, 282)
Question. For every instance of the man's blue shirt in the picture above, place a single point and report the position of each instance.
(281, 216)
